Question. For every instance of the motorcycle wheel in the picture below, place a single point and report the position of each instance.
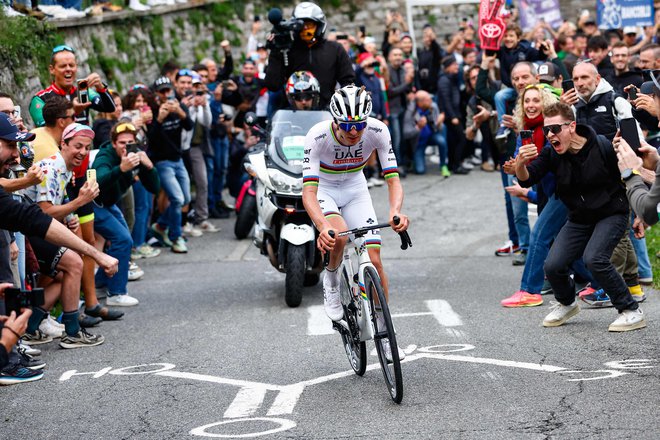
(295, 275)
(311, 279)
(246, 217)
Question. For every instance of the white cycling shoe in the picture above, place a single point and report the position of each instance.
(388, 351)
(332, 303)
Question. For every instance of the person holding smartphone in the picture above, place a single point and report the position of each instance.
(63, 68)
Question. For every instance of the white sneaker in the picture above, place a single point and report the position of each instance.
(467, 164)
(388, 351)
(434, 159)
(332, 303)
(51, 327)
(192, 231)
(628, 320)
(121, 301)
(560, 313)
(134, 272)
(27, 349)
(207, 226)
(370, 184)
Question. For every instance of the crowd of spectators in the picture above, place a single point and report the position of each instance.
(135, 174)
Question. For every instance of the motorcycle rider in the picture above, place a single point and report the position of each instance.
(335, 192)
(303, 91)
(327, 60)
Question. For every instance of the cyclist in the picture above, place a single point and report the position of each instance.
(303, 91)
(335, 192)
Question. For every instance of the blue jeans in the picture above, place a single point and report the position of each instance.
(143, 202)
(545, 230)
(643, 263)
(438, 138)
(501, 99)
(216, 169)
(513, 233)
(110, 224)
(520, 218)
(175, 182)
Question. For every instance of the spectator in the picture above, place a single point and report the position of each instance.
(598, 213)
(63, 69)
(649, 57)
(400, 84)
(429, 57)
(422, 124)
(117, 164)
(449, 99)
(597, 51)
(57, 114)
(578, 52)
(481, 117)
(104, 122)
(623, 76)
(244, 91)
(165, 148)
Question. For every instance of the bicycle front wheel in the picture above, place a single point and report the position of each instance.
(391, 370)
(356, 350)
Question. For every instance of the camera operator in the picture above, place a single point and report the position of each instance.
(63, 69)
(308, 51)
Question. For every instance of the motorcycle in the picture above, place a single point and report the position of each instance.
(283, 230)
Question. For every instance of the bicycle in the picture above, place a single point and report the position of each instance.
(361, 292)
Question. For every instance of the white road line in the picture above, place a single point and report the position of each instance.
(443, 313)
(286, 400)
(456, 333)
(246, 403)
(500, 362)
(216, 379)
(408, 315)
(318, 322)
(240, 250)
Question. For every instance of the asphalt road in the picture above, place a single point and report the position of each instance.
(212, 350)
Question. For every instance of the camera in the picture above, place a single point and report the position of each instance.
(284, 32)
(17, 299)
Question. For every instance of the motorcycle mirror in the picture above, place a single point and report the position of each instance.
(251, 119)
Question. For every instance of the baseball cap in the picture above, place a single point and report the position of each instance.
(363, 57)
(196, 78)
(77, 129)
(630, 30)
(590, 20)
(547, 72)
(162, 83)
(10, 132)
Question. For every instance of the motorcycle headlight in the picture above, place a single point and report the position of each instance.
(285, 184)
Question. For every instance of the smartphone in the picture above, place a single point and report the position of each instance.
(200, 93)
(171, 98)
(132, 148)
(83, 96)
(491, 52)
(17, 111)
(526, 137)
(632, 93)
(91, 174)
(363, 29)
(567, 85)
(225, 83)
(628, 129)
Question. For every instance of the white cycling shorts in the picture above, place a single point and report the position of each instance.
(353, 203)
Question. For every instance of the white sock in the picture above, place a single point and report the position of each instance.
(331, 277)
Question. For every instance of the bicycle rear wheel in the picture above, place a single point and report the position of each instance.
(356, 350)
(391, 370)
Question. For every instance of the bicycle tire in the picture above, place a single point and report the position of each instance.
(391, 371)
(356, 351)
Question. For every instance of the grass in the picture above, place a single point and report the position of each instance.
(653, 245)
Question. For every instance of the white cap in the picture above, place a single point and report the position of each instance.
(630, 30)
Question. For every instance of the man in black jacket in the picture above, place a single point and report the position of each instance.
(589, 184)
(327, 60)
(449, 102)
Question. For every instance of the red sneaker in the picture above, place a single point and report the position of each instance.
(507, 249)
(522, 299)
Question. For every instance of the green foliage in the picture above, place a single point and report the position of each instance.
(653, 247)
(25, 41)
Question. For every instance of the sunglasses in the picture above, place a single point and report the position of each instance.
(185, 72)
(302, 97)
(62, 48)
(554, 128)
(126, 126)
(348, 126)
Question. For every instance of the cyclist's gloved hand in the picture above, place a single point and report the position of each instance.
(402, 224)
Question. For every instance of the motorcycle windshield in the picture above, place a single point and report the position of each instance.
(287, 137)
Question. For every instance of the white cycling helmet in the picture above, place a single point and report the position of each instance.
(350, 104)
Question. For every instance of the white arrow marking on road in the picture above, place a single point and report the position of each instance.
(318, 322)
(443, 313)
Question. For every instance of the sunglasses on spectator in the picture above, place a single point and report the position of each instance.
(374, 64)
(554, 128)
(62, 48)
(348, 126)
(126, 126)
(185, 72)
(303, 97)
